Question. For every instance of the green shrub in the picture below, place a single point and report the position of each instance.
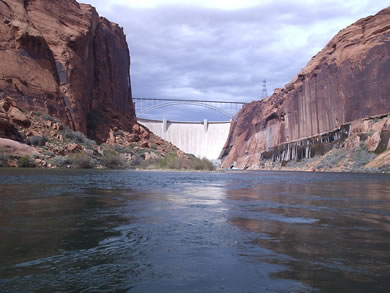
(206, 165)
(123, 150)
(61, 161)
(37, 140)
(48, 153)
(3, 160)
(48, 117)
(119, 132)
(385, 168)
(113, 160)
(361, 158)
(140, 151)
(332, 159)
(22, 136)
(172, 161)
(200, 164)
(363, 146)
(25, 162)
(137, 161)
(73, 135)
(36, 113)
(77, 136)
(81, 161)
(323, 165)
(150, 164)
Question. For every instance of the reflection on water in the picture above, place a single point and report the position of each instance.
(106, 231)
(336, 236)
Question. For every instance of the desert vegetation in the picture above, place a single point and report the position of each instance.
(55, 145)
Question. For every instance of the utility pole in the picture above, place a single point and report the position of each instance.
(264, 90)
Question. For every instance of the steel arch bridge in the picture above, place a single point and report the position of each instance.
(145, 105)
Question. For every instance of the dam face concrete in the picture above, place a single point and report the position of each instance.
(202, 139)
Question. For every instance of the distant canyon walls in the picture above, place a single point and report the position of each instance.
(348, 80)
(59, 57)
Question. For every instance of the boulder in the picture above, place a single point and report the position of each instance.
(5, 124)
(14, 148)
(373, 142)
(136, 128)
(5, 104)
(386, 126)
(111, 139)
(134, 137)
(33, 133)
(145, 144)
(7, 129)
(75, 148)
(150, 156)
(18, 117)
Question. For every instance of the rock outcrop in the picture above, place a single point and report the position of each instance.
(11, 116)
(9, 146)
(346, 81)
(60, 58)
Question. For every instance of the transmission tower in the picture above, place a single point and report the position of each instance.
(264, 93)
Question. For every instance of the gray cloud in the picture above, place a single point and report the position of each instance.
(193, 52)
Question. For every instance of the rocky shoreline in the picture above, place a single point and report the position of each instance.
(360, 146)
(33, 139)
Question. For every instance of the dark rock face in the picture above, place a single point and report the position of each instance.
(59, 57)
(347, 80)
(10, 116)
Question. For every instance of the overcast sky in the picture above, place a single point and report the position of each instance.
(223, 49)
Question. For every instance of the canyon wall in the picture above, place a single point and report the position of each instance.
(348, 80)
(60, 58)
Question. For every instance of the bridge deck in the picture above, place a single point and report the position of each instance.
(227, 108)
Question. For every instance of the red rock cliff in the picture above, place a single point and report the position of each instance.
(60, 57)
(349, 79)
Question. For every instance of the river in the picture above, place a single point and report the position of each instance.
(135, 231)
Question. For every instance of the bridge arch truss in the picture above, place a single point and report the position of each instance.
(145, 105)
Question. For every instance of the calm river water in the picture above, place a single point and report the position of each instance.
(133, 231)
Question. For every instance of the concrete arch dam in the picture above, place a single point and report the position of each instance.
(202, 139)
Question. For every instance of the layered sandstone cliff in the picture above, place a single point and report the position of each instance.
(59, 57)
(348, 80)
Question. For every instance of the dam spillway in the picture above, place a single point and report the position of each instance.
(203, 139)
